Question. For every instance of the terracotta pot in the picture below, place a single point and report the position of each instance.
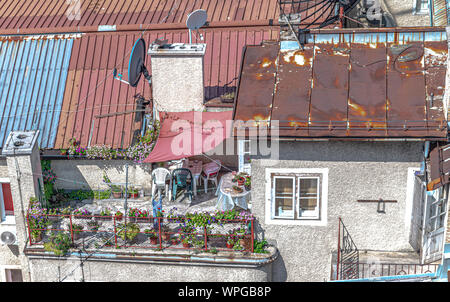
(165, 237)
(186, 245)
(154, 240)
(229, 246)
(134, 195)
(117, 194)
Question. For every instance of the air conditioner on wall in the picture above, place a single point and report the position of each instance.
(8, 235)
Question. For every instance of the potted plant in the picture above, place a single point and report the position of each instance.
(116, 191)
(248, 183)
(82, 214)
(138, 215)
(165, 235)
(53, 214)
(118, 215)
(128, 232)
(186, 242)
(174, 241)
(105, 214)
(152, 235)
(77, 231)
(241, 181)
(93, 225)
(59, 244)
(134, 193)
(230, 242)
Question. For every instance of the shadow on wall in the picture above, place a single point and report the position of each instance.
(88, 174)
(212, 92)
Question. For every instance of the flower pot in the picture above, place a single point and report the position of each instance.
(134, 195)
(154, 241)
(117, 194)
(165, 237)
(240, 182)
(174, 242)
(119, 218)
(186, 245)
(38, 237)
(229, 245)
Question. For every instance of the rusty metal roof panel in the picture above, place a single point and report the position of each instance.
(257, 83)
(439, 166)
(69, 15)
(33, 72)
(361, 85)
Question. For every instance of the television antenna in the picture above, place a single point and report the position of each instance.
(195, 20)
(136, 65)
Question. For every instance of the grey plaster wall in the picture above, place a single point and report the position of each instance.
(45, 270)
(3, 168)
(357, 170)
(88, 174)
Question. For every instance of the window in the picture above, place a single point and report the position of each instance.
(244, 152)
(13, 275)
(296, 196)
(420, 7)
(6, 202)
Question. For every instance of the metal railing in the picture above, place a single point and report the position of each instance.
(348, 255)
(374, 270)
(110, 231)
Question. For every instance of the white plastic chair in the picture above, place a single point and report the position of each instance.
(159, 178)
(211, 172)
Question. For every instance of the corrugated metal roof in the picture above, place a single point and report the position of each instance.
(33, 72)
(91, 89)
(360, 84)
(40, 14)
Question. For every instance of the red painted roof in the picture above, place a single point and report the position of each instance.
(35, 15)
(91, 90)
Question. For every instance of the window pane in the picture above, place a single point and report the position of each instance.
(283, 207)
(284, 187)
(308, 187)
(308, 204)
(284, 193)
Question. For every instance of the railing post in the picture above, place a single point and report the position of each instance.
(206, 238)
(253, 234)
(29, 230)
(71, 229)
(115, 231)
(160, 238)
(339, 249)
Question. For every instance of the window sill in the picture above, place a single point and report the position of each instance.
(305, 222)
(9, 220)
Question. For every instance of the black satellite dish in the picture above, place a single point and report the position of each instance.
(136, 65)
(315, 13)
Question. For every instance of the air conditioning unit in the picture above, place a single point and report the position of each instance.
(8, 235)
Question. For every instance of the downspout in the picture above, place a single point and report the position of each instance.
(431, 10)
(426, 151)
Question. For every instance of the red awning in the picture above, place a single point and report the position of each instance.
(185, 134)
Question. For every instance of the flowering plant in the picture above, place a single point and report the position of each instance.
(134, 212)
(105, 212)
(82, 212)
(37, 218)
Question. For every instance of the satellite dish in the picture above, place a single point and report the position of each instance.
(136, 65)
(195, 20)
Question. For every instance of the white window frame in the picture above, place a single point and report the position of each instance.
(418, 10)
(309, 214)
(5, 219)
(244, 166)
(320, 219)
(3, 269)
(293, 196)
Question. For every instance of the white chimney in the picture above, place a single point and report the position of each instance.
(177, 76)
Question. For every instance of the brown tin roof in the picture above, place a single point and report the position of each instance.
(439, 164)
(356, 84)
(91, 91)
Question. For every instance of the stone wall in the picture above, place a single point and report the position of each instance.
(356, 170)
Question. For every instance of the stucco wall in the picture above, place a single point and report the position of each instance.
(178, 82)
(3, 168)
(356, 170)
(85, 174)
(402, 12)
(47, 270)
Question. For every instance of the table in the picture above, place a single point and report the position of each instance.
(196, 169)
(229, 198)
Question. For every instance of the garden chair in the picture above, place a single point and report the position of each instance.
(159, 180)
(182, 178)
(210, 172)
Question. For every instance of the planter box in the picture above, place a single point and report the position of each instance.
(117, 194)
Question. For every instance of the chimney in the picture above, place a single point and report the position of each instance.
(177, 76)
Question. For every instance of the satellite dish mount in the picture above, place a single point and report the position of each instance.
(195, 20)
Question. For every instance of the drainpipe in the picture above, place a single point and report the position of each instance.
(426, 151)
(430, 9)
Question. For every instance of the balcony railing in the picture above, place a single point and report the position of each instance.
(110, 231)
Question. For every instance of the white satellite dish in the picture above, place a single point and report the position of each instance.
(195, 20)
